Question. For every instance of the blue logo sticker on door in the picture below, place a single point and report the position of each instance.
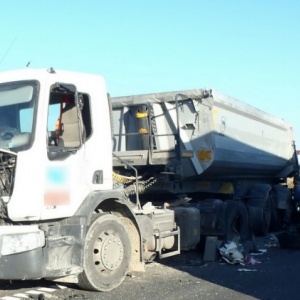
(57, 190)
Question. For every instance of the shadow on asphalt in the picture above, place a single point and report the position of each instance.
(275, 277)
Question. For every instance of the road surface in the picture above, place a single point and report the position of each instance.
(186, 277)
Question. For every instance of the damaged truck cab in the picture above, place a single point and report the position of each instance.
(95, 186)
(59, 213)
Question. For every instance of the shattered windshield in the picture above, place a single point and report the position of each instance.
(17, 110)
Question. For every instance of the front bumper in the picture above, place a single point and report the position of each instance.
(21, 252)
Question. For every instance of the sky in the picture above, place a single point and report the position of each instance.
(247, 49)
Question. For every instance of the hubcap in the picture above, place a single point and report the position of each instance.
(108, 251)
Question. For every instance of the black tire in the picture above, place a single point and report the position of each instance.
(237, 222)
(107, 253)
(260, 212)
(277, 215)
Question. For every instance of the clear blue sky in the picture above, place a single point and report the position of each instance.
(247, 49)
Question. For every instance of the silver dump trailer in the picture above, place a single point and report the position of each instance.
(200, 148)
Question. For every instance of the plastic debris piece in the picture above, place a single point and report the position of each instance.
(271, 241)
(232, 253)
(249, 260)
(247, 270)
(260, 252)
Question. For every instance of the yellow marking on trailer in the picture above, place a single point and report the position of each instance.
(140, 115)
(227, 188)
(204, 155)
(143, 131)
(187, 154)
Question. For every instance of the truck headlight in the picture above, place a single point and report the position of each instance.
(21, 242)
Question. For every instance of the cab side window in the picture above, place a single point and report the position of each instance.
(86, 115)
(69, 118)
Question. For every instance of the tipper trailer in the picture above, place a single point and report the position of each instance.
(95, 186)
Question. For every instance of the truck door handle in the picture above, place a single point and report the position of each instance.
(98, 177)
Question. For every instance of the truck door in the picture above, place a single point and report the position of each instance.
(64, 173)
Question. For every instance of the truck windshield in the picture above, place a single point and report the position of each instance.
(17, 110)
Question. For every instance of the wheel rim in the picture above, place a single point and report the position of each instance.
(108, 252)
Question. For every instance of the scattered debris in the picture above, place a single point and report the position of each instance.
(260, 252)
(79, 297)
(195, 263)
(247, 270)
(250, 261)
(38, 296)
(271, 241)
(233, 253)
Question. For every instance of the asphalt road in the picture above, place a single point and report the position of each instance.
(186, 277)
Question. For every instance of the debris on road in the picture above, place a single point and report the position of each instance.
(249, 260)
(233, 253)
(271, 241)
(260, 252)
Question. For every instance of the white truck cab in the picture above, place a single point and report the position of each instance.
(59, 212)
(50, 181)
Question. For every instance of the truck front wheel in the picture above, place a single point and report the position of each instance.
(107, 253)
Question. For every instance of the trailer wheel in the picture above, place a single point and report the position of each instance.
(237, 222)
(277, 215)
(260, 215)
(106, 255)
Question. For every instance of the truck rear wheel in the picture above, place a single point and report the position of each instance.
(237, 222)
(107, 254)
(277, 215)
(260, 215)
